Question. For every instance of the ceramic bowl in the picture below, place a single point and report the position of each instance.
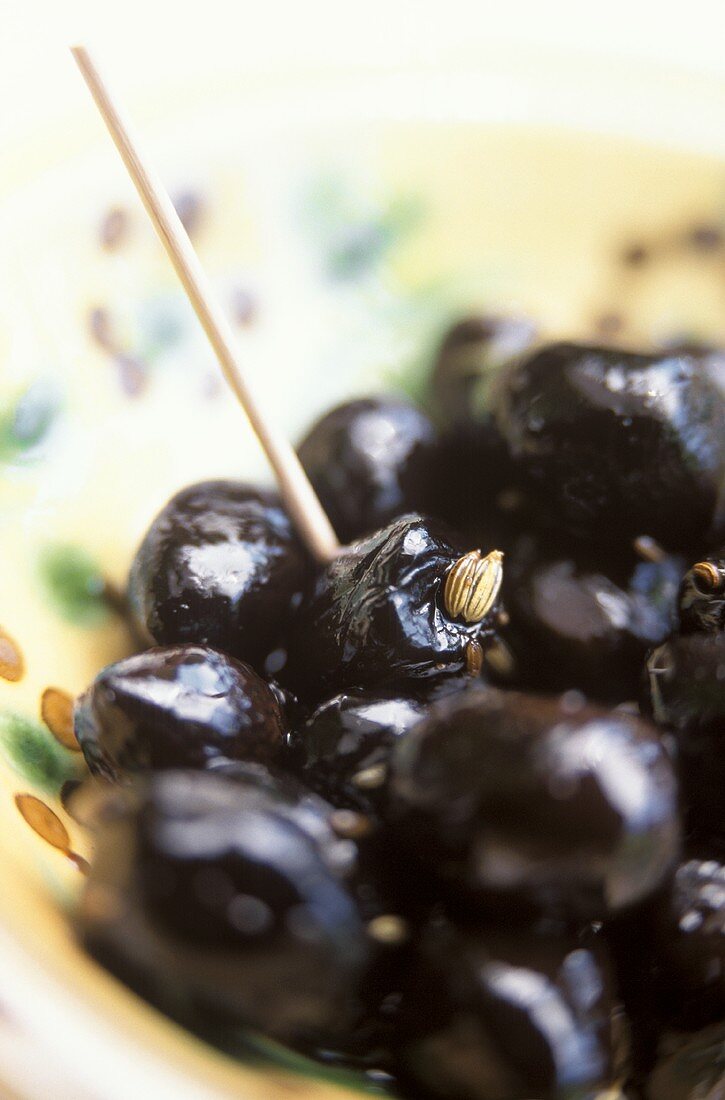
(344, 222)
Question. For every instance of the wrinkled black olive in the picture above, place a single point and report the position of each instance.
(686, 692)
(226, 895)
(471, 353)
(496, 1016)
(577, 621)
(344, 747)
(376, 615)
(622, 444)
(177, 707)
(370, 461)
(702, 597)
(220, 565)
(532, 803)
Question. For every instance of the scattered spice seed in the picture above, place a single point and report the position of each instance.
(500, 658)
(132, 373)
(189, 206)
(472, 586)
(707, 577)
(648, 549)
(609, 325)
(243, 306)
(56, 710)
(474, 658)
(635, 255)
(43, 821)
(706, 237)
(350, 825)
(389, 929)
(114, 228)
(101, 329)
(370, 778)
(12, 664)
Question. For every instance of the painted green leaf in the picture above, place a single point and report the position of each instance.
(74, 584)
(25, 424)
(360, 246)
(34, 754)
(352, 237)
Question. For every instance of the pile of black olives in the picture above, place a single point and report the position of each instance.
(449, 809)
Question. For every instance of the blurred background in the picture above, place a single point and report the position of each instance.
(149, 42)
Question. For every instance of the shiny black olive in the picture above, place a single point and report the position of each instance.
(471, 353)
(480, 491)
(478, 487)
(220, 565)
(580, 621)
(622, 444)
(529, 804)
(686, 692)
(177, 707)
(496, 1016)
(344, 747)
(688, 944)
(371, 460)
(225, 895)
(377, 614)
(702, 596)
(670, 959)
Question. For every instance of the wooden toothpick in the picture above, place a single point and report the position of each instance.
(294, 486)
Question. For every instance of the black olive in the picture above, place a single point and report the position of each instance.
(225, 895)
(621, 444)
(177, 707)
(220, 565)
(580, 621)
(670, 957)
(531, 804)
(496, 1016)
(702, 596)
(479, 488)
(344, 747)
(371, 460)
(689, 945)
(377, 614)
(471, 353)
(686, 692)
